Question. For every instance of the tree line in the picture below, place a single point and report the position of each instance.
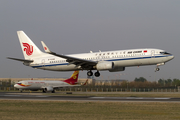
(140, 82)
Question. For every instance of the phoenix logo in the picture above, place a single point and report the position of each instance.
(28, 48)
(74, 77)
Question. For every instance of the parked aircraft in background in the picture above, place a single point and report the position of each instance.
(48, 86)
(112, 61)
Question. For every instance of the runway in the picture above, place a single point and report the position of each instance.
(27, 96)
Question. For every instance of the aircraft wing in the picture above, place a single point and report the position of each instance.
(22, 60)
(74, 60)
(55, 87)
(71, 60)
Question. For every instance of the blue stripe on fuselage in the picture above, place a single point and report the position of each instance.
(105, 60)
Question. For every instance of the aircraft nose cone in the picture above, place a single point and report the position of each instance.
(172, 57)
(15, 85)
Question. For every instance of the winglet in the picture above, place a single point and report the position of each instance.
(46, 49)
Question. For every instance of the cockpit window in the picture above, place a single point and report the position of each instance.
(19, 83)
(165, 53)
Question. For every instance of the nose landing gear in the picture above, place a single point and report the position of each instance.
(157, 69)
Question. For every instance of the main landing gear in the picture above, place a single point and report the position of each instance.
(45, 91)
(21, 90)
(90, 73)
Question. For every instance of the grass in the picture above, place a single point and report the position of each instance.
(55, 110)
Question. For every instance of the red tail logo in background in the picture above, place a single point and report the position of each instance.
(28, 49)
(73, 79)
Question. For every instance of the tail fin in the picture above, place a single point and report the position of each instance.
(29, 49)
(73, 79)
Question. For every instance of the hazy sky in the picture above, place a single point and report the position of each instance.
(78, 26)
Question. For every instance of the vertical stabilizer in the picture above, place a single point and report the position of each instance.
(29, 49)
(73, 79)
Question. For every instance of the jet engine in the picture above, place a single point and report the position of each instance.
(49, 89)
(104, 65)
(116, 69)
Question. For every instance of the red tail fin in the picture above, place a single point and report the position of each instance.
(73, 79)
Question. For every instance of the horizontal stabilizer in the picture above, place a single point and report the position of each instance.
(22, 60)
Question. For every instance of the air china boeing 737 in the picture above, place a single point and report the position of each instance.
(48, 86)
(112, 61)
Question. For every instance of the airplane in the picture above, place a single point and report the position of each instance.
(48, 86)
(113, 61)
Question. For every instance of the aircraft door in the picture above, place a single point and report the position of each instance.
(26, 83)
(43, 62)
(152, 53)
(100, 58)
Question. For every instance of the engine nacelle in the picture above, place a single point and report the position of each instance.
(105, 65)
(49, 89)
(116, 69)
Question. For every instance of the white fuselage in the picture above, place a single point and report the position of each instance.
(41, 84)
(120, 58)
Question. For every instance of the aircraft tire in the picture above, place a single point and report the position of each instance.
(97, 74)
(157, 69)
(89, 73)
(44, 91)
(53, 91)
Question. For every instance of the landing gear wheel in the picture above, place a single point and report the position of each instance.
(44, 91)
(53, 91)
(157, 69)
(97, 74)
(21, 90)
(90, 73)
